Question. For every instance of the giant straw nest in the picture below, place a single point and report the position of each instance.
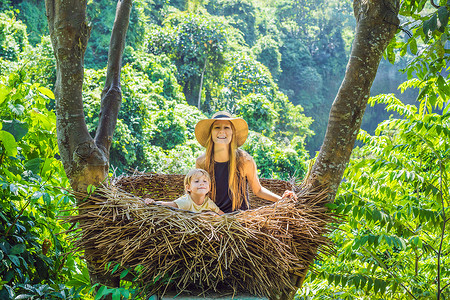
(256, 251)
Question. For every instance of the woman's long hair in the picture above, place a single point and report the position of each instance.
(236, 182)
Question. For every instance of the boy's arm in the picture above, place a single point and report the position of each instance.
(170, 203)
(151, 201)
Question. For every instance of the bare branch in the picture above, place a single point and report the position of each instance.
(117, 42)
(112, 94)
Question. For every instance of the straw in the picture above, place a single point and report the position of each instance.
(253, 251)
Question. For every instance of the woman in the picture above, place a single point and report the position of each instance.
(230, 168)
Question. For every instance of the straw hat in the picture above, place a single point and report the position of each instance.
(203, 127)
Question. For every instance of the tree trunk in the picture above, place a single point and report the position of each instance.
(377, 22)
(201, 84)
(85, 159)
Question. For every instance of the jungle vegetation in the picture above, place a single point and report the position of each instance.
(278, 64)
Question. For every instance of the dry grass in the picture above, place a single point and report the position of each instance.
(253, 250)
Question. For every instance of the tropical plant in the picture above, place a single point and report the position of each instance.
(13, 36)
(395, 199)
(33, 244)
(197, 44)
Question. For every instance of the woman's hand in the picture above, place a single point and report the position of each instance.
(289, 194)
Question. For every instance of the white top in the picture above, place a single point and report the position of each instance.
(185, 202)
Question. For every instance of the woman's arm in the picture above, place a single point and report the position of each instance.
(253, 180)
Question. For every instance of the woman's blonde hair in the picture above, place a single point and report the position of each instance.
(195, 172)
(236, 182)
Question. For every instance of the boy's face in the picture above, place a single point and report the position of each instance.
(199, 185)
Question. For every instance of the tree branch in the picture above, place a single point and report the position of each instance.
(377, 22)
(112, 94)
(83, 162)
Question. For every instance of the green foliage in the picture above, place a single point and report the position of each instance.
(32, 13)
(267, 52)
(241, 13)
(249, 91)
(258, 111)
(274, 159)
(156, 125)
(245, 76)
(13, 36)
(429, 34)
(5, 5)
(40, 63)
(395, 202)
(199, 44)
(196, 43)
(33, 245)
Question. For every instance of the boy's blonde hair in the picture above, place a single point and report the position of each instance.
(195, 172)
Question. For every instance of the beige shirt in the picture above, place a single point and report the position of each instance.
(185, 202)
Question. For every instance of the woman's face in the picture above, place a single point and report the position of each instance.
(221, 132)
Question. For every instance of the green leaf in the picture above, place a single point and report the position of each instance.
(47, 199)
(371, 239)
(18, 249)
(442, 86)
(330, 278)
(16, 128)
(391, 57)
(356, 281)
(337, 279)
(125, 293)
(394, 287)
(45, 91)
(376, 215)
(115, 268)
(34, 165)
(123, 273)
(116, 294)
(344, 280)
(14, 259)
(442, 18)
(90, 189)
(8, 141)
(377, 285)
(9, 275)
(102, 291)
(413, 46)
(383, 286)
(4, 91)
(430, 25)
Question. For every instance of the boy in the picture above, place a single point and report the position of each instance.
(197, 185)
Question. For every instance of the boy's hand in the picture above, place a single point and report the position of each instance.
(289, 194)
